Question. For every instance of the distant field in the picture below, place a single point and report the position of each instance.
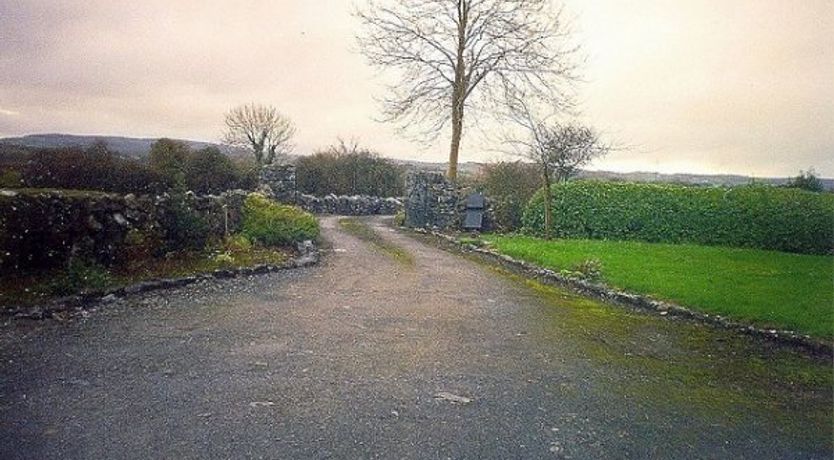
(767, 288)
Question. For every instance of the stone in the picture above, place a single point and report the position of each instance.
(452, 398)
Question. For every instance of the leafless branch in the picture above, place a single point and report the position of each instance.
(260, 128)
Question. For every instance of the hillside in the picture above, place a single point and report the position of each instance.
(139, 148)
(127, 146)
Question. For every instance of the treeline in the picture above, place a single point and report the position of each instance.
(173, 166)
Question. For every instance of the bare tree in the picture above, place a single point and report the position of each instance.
(558, 149)
(456, 55)
(260, 128)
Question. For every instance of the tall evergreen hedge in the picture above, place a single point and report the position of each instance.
(754, 216)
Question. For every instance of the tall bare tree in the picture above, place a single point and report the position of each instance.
(459, 55)
(260, 128)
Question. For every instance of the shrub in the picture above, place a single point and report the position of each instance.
(205, 171)
(184, 227)
(95, 169)
(399, 219)
(79, 276)
(509, 185)
(753, 216)
(274, 224)
(806, 180)
(589, 269)
(10, 178)
(349, 170)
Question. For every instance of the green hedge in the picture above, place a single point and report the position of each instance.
(754, 216)
(274, 224)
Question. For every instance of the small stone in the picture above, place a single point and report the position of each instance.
(452, 398)
(261, 404)
(120, 219)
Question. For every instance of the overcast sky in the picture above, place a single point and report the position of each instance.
(740, 86)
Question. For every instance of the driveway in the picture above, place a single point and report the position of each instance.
(373, 356)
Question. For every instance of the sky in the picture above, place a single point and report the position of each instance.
(699, 86)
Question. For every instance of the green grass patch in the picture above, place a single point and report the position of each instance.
(766, 288)
(275, 224)
(362, 231)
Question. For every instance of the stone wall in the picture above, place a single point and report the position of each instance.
(433, 202)
(45, 228)
(359, 205)
(279, 183)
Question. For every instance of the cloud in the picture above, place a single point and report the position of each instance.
(716, 86)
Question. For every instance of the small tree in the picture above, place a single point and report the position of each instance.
(806, 180)
(509, 184)
(168, 158)
(260, 128)
(560, 150)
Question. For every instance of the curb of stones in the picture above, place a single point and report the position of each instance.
(630, 300)
(309, 256)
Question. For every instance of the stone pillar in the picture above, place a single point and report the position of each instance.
(279, 183)
(431, 201)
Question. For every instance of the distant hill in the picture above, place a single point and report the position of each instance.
(139, 148)
(470, 168)
(127, 146)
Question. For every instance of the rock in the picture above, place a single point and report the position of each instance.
(452, 398)
(109, 298)
(120, 219)
(261, 404)
(8, 193)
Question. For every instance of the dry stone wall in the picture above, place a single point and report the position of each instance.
(279, 183)
(42, 229)
(433, 202)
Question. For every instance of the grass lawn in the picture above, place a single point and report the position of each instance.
(767, 288)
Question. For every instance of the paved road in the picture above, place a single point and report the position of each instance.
(345, 360)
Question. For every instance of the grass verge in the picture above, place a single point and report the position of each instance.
(365, 233)
(766, 288)
(34, 289)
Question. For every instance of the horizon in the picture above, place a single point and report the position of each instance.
(761, 107)
(475, 162)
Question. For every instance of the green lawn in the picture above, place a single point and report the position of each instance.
(768, 288)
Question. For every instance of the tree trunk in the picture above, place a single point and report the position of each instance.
(457, 133)
(458, 90)
(548, 201)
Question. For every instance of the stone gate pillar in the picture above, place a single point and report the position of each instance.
(279, 183)
(431, 201)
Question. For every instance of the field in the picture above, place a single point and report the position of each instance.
(766, 288)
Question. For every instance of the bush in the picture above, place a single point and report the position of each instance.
(184, 227)
(79, 276)
(399, 219)
(10, 178)
(753, 216)
(509, 186)
(205, 171)
(273, 224)
(806, 180)
(95, 169)
(348, 170)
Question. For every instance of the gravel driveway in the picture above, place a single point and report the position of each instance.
(368, 356)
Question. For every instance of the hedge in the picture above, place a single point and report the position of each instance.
(274, 224)
(754, 216)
